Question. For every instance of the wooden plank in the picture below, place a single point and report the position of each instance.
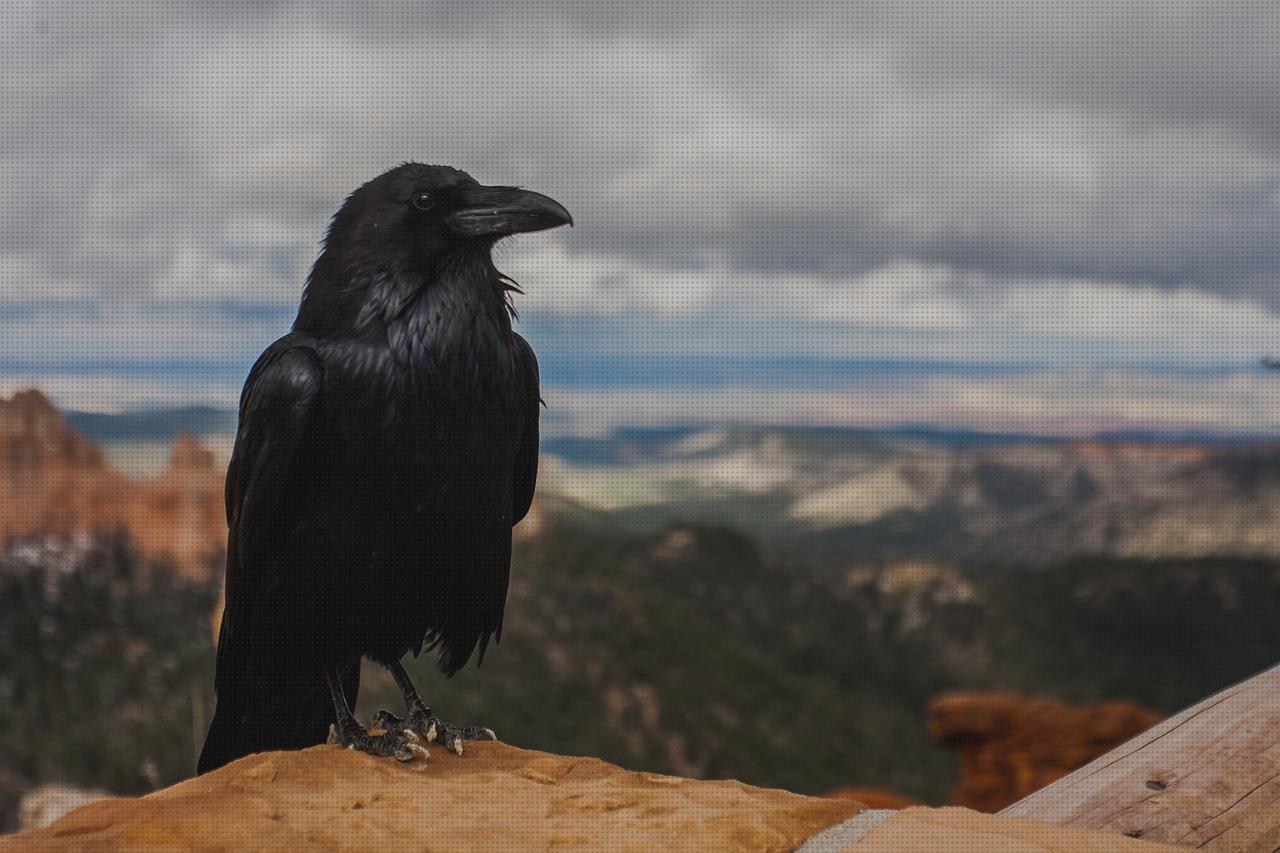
(955, 830)
(1207, 778)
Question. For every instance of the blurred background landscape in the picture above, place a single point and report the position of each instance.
(906, 427)
(811, 608)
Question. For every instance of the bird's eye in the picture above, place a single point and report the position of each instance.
(423, 201)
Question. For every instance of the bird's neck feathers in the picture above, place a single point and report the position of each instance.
(344, 300)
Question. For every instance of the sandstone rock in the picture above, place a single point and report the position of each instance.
(1011, 745)
(32, 434)
(498, 797)
(54, 482)
(873, 798)
(495, 797)
(180, 515)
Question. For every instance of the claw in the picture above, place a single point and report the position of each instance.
(412, 749)
(453, 743)
(422, 726)
(402, 745)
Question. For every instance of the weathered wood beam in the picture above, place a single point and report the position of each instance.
(1207, 778)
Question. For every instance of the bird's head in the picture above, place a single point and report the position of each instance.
(394, 235)
(415, 213)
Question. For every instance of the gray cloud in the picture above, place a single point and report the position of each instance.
(1122, 142)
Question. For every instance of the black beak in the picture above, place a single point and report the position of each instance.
(498, 211)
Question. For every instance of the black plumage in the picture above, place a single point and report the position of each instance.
(386, 447)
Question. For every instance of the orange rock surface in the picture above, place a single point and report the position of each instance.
(1011, 745)
(54, 482)
(498, 797)
(873, 798)
(494, 797)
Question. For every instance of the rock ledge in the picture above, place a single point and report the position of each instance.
(495, 797)
(498, 797)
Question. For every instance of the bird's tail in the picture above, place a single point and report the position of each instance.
(292, 712)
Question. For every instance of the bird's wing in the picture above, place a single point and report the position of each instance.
(268, 696)
(279, 399)
(526, 468)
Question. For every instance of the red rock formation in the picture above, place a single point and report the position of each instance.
(54, 482)
(179, 515)
(873, 798)
(1011, 745)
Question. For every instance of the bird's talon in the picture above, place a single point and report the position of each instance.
(400, 744)
(410, 751)
(432, 729)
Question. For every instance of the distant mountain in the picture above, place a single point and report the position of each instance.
(629, 444)
(835, 496)
(152, 425)
(161, 424)
(164, 423)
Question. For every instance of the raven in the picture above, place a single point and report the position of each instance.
(386, 447)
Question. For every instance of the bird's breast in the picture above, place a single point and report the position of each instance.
(434, 405)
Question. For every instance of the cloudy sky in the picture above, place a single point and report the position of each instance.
(1060, 217)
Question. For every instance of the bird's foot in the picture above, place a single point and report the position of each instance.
(426, 725)
(401, 744)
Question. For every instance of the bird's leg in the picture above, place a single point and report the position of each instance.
(401, 744)
(422, 721)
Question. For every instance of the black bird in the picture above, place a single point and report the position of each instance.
(386, 447)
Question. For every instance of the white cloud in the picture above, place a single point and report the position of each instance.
(1068, 403)
(811, 140)
(903, 309)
